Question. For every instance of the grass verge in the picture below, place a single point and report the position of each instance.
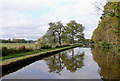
(16, 58)
(23, 54)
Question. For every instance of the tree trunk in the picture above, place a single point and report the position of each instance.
(72, 39)
(54, 37)
(59, 39)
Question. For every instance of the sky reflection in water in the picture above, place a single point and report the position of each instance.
(77, 63)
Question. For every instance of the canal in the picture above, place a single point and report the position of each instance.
(76, 63)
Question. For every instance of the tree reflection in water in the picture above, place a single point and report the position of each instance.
(109, 62)
(66, 59)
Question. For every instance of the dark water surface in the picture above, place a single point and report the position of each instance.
(77, 63)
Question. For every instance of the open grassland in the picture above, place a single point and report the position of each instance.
(16, 45)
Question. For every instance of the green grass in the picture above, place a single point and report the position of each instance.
(46, 51)
(7, 60)
(16, 45)
(17, 55)
(23, 54)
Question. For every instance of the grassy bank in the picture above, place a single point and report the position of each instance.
(9, 49)
(23, 54)
(14, 61)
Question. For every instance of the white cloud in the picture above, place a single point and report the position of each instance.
(29, 18)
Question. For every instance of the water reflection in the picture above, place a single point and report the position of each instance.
(63, 60)
(109, 62)
(77, 63)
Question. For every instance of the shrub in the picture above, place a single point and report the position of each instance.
(68, 45)
(46, 46)
(22, 47)
(57, 46)
(13, 50)
(5, 51)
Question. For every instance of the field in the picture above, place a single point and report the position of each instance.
(16, 45)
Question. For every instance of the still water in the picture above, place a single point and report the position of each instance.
(77, 63)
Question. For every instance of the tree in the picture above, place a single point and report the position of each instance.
(54, 33)
(41, 42)
(58, 33)
(9, 41)
(59, 29)
(74, 31)
(51, 34)
(109, 26)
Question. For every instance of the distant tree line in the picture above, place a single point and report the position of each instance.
(16, 41)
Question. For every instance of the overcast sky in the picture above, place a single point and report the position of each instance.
(29, 19)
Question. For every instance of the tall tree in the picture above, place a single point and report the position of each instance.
(74, 30)
(109, 26)
(51, 33)
(60, 29)
(54, 33)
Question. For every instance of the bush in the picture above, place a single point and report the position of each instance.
(58, 46)
(68, 45)
(63, 45)
(5, 51)
(22, 47)
(46, 46)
